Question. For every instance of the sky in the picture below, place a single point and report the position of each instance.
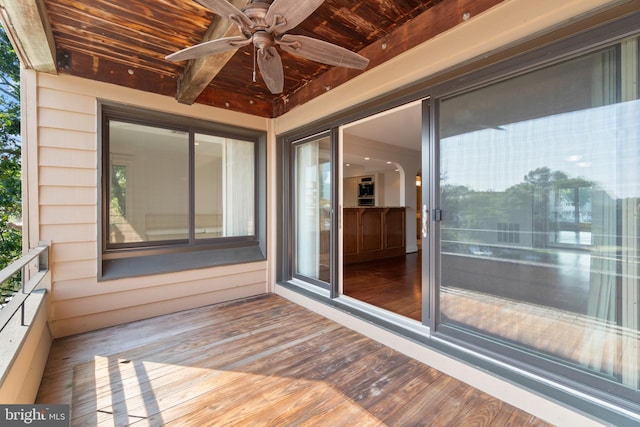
(598, 144)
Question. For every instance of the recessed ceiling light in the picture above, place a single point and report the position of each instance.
(389, 163)
(367, 158)
(347, 164)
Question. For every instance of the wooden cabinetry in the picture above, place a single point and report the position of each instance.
(373, 233)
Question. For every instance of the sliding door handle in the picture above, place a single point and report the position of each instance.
(425, 221)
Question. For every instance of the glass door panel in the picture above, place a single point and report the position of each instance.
(312, 211)
(540, 193)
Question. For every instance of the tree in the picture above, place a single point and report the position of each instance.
(10, 171)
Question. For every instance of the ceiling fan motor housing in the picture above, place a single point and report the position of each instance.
(256, 12)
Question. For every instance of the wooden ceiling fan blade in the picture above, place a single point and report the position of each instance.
(321, 51)
(284, 15)
(270, 66)
(229, 11)
(209, 48)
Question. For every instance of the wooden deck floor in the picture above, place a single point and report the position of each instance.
(262, 361)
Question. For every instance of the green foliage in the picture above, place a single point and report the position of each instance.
(10, 169)
(472, 214)
(119, 190)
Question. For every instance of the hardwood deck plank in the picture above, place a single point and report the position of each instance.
(319, 404)
(211, 360)
(183, 352)
(415, 412)
(228, 409)
(257, 376)
(76, 349)
(480, 409)
(128, 368)
(240, 364)
(397, 388)
(135, 334)
(262, 361)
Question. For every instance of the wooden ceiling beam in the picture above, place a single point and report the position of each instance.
(88, 66)
(29, 30)
(200, 71)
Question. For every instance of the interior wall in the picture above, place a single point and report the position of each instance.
(61, 201)
(150, 190)
(392, 189)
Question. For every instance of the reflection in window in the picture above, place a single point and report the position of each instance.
(224, 187)
(156, 182)
(119, 191)
(150, 187)
(570, 215)
(540, 189)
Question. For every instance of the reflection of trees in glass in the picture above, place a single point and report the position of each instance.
(119, 190)
(529, 208)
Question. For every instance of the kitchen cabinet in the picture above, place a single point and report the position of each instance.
(373, 233)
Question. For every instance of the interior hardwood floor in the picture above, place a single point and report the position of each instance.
(260, 361)
(393, 284)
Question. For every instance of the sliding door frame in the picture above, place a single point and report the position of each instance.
(289, 218)
(542, 368)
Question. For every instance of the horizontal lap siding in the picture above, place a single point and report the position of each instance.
(68, 210)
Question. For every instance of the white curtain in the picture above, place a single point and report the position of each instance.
(308, 182)
(238, 176)
(630, 135)
(599, 347)
(611, 342)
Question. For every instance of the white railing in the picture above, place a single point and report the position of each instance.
(30, 281)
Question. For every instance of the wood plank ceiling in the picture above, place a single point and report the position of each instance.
(125, 43)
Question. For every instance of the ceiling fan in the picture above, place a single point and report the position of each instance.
(264, 23)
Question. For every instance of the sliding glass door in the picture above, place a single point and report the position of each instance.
(312, 194)
(498, 212)
(539, 185)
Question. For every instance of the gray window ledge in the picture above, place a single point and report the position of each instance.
(172, 262)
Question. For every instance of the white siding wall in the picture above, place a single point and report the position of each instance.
(65, 194)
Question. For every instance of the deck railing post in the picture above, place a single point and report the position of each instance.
(43, 258)
(28, 282)
(23, 286)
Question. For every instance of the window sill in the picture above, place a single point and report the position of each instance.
(182, 261)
